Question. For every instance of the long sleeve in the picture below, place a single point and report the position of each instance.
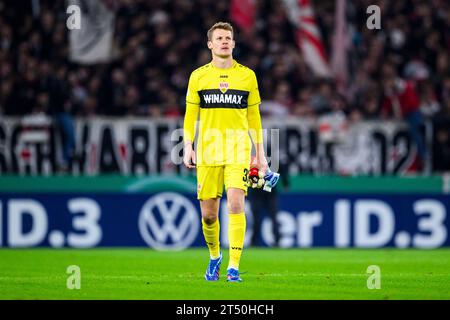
(253, 116)
(189, 121)
(192, 109)
(254, 124)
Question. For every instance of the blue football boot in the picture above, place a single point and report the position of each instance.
(213, 270)
(233, 275)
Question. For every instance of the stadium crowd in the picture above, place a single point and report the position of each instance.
(161, 42)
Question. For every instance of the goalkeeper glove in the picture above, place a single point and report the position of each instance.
(257, 179)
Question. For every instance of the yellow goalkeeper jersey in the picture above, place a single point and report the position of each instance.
(227, 103)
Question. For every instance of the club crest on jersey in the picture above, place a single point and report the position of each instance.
(223, 86)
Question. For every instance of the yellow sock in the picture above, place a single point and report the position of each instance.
(211, 234)
(236, 234)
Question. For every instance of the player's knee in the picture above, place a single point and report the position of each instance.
(235, 206)
(209, 218)
(210, 210)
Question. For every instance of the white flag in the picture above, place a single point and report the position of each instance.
(93, 42)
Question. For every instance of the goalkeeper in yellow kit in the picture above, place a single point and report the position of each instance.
(223, 97)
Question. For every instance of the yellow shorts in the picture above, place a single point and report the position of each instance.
(211, 180)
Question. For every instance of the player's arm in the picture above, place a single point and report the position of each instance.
(255, 130)
(190, 117)
(254, 124)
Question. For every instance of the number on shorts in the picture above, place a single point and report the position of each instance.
(245, 175)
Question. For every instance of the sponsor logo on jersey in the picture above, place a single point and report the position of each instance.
(229, 98)
(222, 98)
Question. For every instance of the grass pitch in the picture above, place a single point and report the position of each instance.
(292, 274)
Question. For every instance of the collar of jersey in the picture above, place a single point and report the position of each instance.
(232, 66)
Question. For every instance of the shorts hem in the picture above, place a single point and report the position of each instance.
(201, 199)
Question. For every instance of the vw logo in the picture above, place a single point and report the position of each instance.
(168, 221)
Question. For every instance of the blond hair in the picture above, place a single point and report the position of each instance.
(220, 25)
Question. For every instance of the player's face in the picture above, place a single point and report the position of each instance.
(221, 43)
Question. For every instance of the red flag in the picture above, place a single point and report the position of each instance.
(242, 12)
(309, 39)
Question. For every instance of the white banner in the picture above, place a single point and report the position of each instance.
(142, 146)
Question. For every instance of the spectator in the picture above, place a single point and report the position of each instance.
(370, 106)
(281, 103)
(429, 104)
(303, 107)
(402, 102)
(321, 101)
